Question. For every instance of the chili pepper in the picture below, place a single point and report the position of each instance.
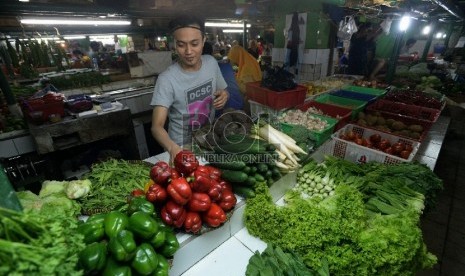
(156, 194)
(163, 266)
(93, 229)
(143, 225)
(185, 162)
(199, 202)
(160, 173)
(193, 222)
(140, 204)
(122, 246)
(179, 191)
(146, 260)
(227, 201)
(115, 221)
(215, 191)
(215, 216)
(113, 268)
(93, 258)
(173, 214)
(159, 238)
(171, 245)
(137, 193)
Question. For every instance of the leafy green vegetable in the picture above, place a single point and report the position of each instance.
(339, 230)
(35, 243)
(274, 262)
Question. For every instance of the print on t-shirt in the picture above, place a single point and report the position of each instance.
(199, 102)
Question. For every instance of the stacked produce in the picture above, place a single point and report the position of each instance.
(123, 243)
(39, 242)
(190, 195)
(315, 180)
(112, 181)
(378, 141)
(414, 97)
(382, 122)
(303, 118)
(344, 228)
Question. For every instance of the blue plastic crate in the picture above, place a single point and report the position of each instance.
(354, 95)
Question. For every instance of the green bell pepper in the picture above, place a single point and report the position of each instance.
(93, 258)
(122, 246)
(113, 268)
(171, 245)
(93, 229)
(115, 221)
(146, 260)
(158, 239)
(143, 225)
(140, 204)
(163, 266)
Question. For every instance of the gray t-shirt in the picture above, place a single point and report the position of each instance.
(188, 97)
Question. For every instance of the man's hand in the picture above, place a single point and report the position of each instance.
(221, 97)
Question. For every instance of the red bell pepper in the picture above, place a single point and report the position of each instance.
(201, 182)
(215, 216)
(179, 191)
(175, 174)
(193, 222)
(199, 202)
(160, 173)
(173, 214)
(215, 191)
(214, 173)
(185, 162)
(227, 201)
(156, 194)
(225, 185)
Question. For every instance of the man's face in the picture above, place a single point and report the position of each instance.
(189, 46)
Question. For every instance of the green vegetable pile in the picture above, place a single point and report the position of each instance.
(126, 243)
(38, 244)
(276, 262)
(112, 181)
(339, 228)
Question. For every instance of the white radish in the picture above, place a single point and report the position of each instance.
(284, 138)
(273, 139)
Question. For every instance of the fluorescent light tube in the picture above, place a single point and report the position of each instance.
(233, 31)
(36, 21)
(225, 25)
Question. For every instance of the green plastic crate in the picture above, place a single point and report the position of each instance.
(365, 90)
(318, 136)
(355, 105)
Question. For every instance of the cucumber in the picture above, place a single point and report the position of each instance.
(242, 147)
(246, 192)
(253, 170)
(268, 174)
(232, 165)
(250, 181)
(247, 169)
(234, 176)
(259, 177)
(262, 167)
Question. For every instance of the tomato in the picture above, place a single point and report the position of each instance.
(343, 136)
(350, 135)
(369, 144)
(359, 141)
(389, 150)
(408, 148)
(364, 142)
(404, 154)
(375, 138)
(384, 144)
(398, 147)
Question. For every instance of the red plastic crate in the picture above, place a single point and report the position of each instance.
(406, 120)
(340, 113)
(409, 110)
(275, 99)
(39, 111)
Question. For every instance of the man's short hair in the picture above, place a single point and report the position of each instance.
(189, 21)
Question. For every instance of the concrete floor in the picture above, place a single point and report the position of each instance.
(444, 227)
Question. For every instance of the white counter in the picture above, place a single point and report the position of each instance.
(226, 251)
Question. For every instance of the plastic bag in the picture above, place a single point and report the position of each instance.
(386, 25)
(347, 27)
(278, 79)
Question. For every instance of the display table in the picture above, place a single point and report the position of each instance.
(227, 250)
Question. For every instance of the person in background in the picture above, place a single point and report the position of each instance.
(248, 69)
(189, 91)
(253, 48)
(292, 45)
(235, 100)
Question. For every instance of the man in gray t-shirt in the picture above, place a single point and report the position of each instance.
(188, 91)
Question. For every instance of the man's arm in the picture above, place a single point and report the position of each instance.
(159, 116)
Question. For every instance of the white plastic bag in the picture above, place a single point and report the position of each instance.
(347, 27)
